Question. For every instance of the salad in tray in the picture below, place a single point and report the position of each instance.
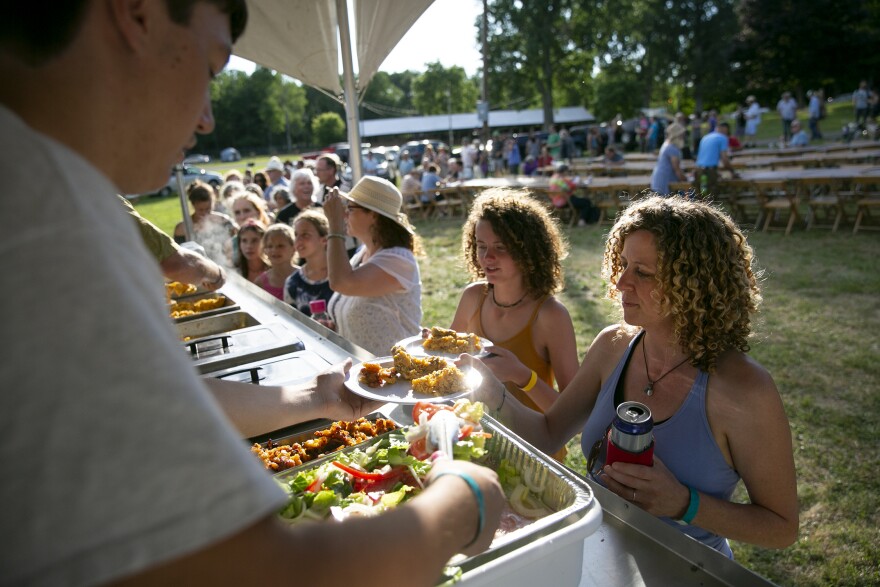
(368, 481)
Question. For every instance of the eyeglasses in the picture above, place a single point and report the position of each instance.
(351, 207)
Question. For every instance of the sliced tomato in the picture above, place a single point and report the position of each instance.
(357, 473)
(465, 431)
(420, 407)
(419, 449)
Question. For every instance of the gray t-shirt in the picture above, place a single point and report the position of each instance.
(115, 458)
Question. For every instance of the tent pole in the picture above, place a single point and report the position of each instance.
(351, 98)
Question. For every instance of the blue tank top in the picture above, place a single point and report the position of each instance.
(684, 442)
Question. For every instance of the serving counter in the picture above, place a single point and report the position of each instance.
(608, 542)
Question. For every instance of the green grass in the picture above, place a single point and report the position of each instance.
(817, 334)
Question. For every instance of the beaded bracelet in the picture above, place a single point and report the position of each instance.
(478, 495)
(532, 381)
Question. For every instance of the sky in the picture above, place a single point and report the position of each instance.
(445, 32)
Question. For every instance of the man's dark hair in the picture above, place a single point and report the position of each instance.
(725, 125)
(35, 32)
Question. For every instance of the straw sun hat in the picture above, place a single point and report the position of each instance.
(380, 196)
(674, 130)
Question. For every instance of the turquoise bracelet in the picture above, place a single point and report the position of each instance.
(478, 495)
(693, 506)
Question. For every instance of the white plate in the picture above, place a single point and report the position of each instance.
(413, 345)
(401, 392)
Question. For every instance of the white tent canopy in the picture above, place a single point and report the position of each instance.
(299, 37)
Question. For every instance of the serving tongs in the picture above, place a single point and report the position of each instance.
(443, 431)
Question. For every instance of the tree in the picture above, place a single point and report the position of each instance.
(525, 42)
(440, 90)
(328, 128)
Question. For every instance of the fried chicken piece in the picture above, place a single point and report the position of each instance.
(450, 341)
(373, 375)
(410, 367)
(443, 382)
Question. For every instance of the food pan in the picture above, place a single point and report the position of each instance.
(552, 546)
(300, 433)
(201, 326)
(288, 369)
(236, 347)
(229, 305)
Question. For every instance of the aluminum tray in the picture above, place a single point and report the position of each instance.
(306, 431)
(289, 369)
(229, 306)
(201, 326)
(245, 345)
(549, 547)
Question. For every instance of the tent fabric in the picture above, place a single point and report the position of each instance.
(299, 37)
(379, 26)
(296, 38)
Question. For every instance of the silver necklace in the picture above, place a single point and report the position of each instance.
(649, 389)
(516, 303)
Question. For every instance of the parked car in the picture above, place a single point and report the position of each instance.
(417, 148)
(229, 154)
(384, 170)
(195, 159)
(391, 154)
(342, 150)
(190, 174)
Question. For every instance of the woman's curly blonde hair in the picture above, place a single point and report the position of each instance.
(705, 279)
(528, 231)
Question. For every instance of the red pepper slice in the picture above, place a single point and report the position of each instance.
(363, 474)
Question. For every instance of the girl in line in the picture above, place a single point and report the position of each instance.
(278, 247)
(309, 281)
(514, 250)
(249, 258)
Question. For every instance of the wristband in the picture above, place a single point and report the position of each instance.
(693, 506)
(532, 381)
(336, 235)
(478, 495)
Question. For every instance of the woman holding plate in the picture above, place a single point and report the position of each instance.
(683, 275)
(378, 294)
(513, 249)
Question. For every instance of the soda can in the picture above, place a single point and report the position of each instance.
(631, 438)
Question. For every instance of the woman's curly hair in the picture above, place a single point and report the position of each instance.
(528, 231)
(705, 278)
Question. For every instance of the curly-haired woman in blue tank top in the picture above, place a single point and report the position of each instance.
(682, 274)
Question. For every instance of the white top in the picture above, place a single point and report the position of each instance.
(377, 322)
(115, 457)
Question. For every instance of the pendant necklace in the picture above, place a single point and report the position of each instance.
(649, 389)
(516, 303)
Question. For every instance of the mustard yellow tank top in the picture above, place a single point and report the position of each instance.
(521, 345)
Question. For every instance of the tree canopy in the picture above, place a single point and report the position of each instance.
(609, 57)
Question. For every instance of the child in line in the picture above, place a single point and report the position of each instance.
(249, 258)
(513, 249)
(278, 247)
(309, 281)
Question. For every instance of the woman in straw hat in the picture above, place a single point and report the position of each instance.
(668, 166)
(378, 299)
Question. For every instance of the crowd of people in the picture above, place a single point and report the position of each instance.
(165, 491)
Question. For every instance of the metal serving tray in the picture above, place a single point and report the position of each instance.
(226, 322)
(229, 306)
(550, 547)
(228, 349)
(288, 369)
(300, 433)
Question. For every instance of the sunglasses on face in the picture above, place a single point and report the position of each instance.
(351, 207)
